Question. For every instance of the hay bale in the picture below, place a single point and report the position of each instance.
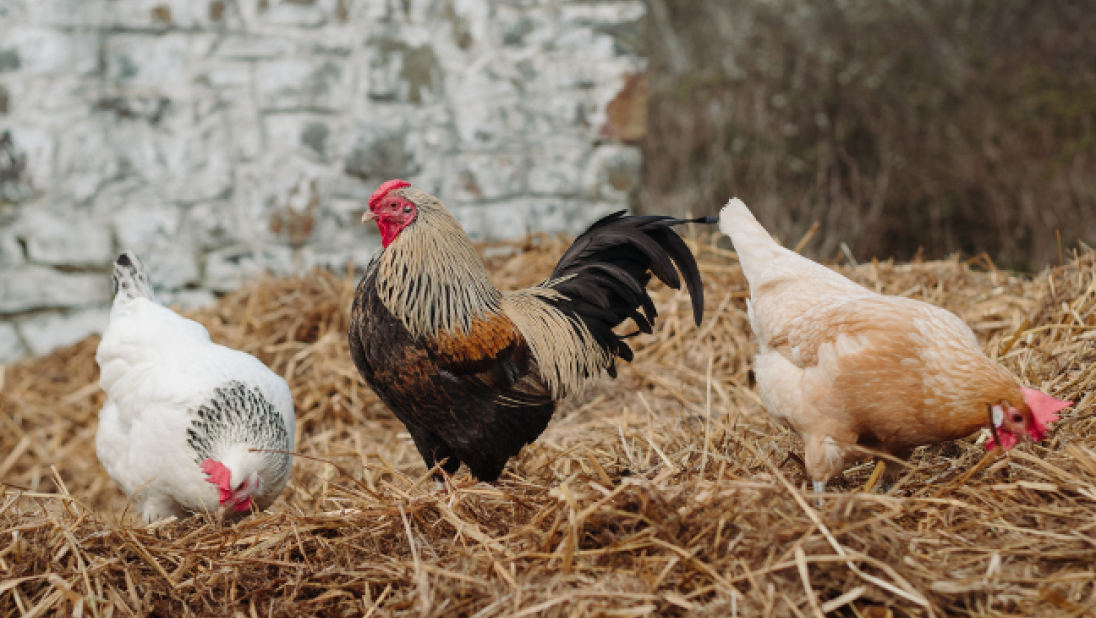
(664, 492)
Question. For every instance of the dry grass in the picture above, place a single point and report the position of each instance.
(947, 126)
(664, 492)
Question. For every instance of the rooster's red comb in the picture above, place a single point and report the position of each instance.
(383, 190)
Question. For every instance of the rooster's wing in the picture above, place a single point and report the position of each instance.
(476, 397)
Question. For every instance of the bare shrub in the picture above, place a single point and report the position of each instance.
(942, 124)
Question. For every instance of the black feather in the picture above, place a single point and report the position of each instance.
(603, 276)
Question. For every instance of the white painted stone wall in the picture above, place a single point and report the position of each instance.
(221, 139)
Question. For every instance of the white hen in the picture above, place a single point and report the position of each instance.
(183, 413)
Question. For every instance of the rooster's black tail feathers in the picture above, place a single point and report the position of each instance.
(603, 276)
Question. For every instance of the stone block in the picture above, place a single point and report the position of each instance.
(558, 173)
(186, 154)
(145, 65)
(227, 74)
(11, 252)
(310, 135)
(294, 14)
(26, 162)
(516, 217)
(144, 227)
(156, 235)
(603, 13)
(339, 261)
(485, 125)
(227, 269)
(169, 14)
(614, 172)
(381, 152)
(57, 96)
(396, 70)
(245, 123)
(213, 224)
(484, 177)
(320, 84)
(280, 199)
(65, 240)
(338, 229)
(86, 160)
(11, 345)
(33, 287)
(42, 51)
(183, 300)
(245, 47)
(66, 13)
(47, 332)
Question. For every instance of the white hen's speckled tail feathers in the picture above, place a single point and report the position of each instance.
(131, 279)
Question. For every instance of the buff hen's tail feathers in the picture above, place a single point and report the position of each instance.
(755, 247)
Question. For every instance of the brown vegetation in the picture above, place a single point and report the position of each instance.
(665, 492)
(899, 125)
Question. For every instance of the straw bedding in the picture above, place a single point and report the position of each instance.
(666, 492)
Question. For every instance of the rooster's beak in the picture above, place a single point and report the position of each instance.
(368, 216)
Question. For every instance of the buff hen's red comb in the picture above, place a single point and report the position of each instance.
(383, 190)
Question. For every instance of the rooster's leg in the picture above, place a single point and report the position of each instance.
(434, 450)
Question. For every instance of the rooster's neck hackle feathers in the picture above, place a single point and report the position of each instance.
(431, 277)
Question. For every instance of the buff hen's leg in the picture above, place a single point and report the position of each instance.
(825, 459)
(790, 397)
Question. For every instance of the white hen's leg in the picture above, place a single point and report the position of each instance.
(159, 507)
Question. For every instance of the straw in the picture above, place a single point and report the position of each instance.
(665, 492)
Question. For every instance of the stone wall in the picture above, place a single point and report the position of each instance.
(221, 139)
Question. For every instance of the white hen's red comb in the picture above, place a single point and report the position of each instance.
(219, 475)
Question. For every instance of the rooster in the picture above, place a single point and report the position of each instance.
(183, 414)
(475, 373)
(844, 366)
